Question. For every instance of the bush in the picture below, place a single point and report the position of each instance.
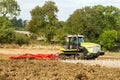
(62, 39)
(107, 39)
(118, 36)
(33, 36)
(6, 31)
(21, 39)
(6, 35)
(61, 36)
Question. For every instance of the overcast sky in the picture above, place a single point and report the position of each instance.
(66, 7)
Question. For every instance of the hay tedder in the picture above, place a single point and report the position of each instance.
(75, 48)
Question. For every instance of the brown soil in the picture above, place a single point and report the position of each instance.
(54, 70)
(50, 70)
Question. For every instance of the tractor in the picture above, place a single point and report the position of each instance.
(76, 49)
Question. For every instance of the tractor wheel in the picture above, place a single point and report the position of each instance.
(76, 57)
(62, 57)
(81, 56)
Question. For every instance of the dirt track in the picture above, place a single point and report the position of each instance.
(106, 62)
(100, 69)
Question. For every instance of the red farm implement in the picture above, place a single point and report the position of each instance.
(36, 56)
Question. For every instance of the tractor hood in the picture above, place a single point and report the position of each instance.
(91, 47)
(88, 44)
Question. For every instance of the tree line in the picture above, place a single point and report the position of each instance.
(9, 9)
(100, 24)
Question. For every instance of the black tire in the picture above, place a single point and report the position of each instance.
(62, 57)
(76, 57)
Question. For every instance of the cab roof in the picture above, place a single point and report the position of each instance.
(75, 36)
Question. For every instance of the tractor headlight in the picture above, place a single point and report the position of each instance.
(90, 49)
(94, 49)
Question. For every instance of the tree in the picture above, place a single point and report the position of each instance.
(74, 25)
(107, 39)
(44, 20)
(18, 23)
(83, 21)
(9, 8)
(92, 21)
(6, 32)
(108, 17)
(61, 32)
(5, 23)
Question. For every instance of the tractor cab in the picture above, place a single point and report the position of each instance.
(74, 41)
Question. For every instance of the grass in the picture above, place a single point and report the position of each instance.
(33, 46)
(47, 47)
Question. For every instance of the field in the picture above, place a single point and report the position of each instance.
(106, 67)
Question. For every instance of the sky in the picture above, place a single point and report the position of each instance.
(66, 7)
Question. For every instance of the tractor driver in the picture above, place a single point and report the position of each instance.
(73, 43)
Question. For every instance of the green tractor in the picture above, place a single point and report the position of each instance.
(76, 49)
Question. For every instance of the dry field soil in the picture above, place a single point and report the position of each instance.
(103, 68)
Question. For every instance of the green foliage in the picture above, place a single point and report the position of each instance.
(61, 36)
(61, 33)
(21, 39)
(62, 39)
(6, 32)
(5, 23)
(44, 20)
(92, 21)
(107, 39)
(118, 36)
(33, 36)
(6, 35)
(18, 24)
(49, 33)
(108, 16)
(9, 8)
(82, 21)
